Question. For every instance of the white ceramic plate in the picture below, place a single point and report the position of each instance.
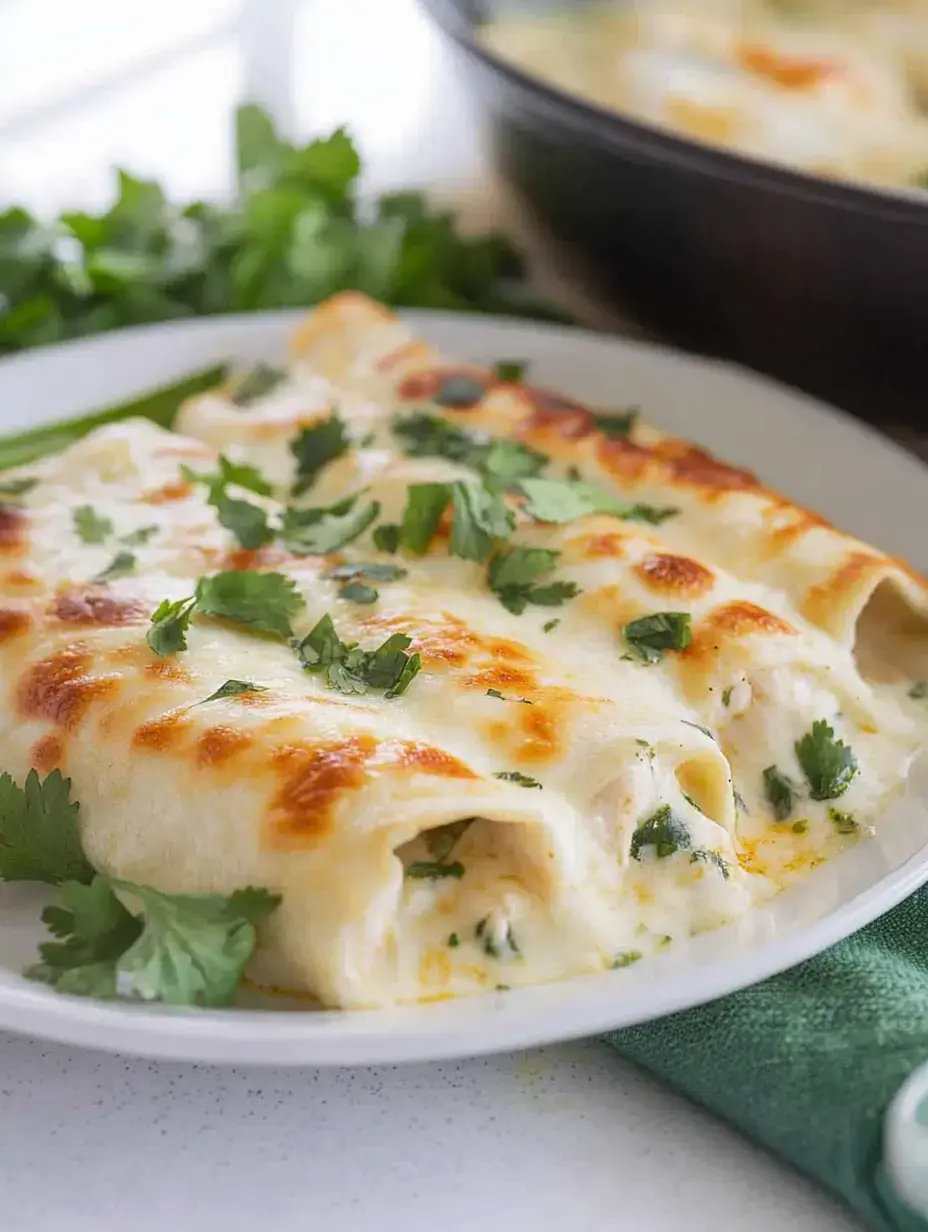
(814, 454)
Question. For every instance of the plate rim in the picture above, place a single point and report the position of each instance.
(351, 1038)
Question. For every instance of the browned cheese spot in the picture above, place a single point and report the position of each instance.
(218, 744)
(314, 781)
(21, 580)
(671, 575)
(98, 608)
(12, 530)
(428, 759)
(47, 754)
(176, 490)
(61, 688)
(163, 734)
(13, 623)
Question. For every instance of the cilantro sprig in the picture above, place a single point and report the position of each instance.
(265, 602)
(512, 576)
(565, 500)
(500, 462)
(781, 792)
(315, 532)
(349, 669)
(649, 637)
(828, 764)
(664, 832)
(313, 448)
(182, 949)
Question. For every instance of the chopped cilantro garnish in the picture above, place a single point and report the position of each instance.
(358, 592)
(510, 370)
(425, 503)
(801, 826)
(232, 688)
(315, 447)
(248, 523)
(136, 538)
(479, 518)
(726, 695)
(551, 624)
(828, 764)
(122, 565)
(369, 571)
(350, 669)
(260, 381)
(263, 601)
(241, 474)
(618, 424)
(494, 942)
(459, 391)
(564, 500)
(844, 823)
(702, 855)
(169, 625)
(454, 941)
(386, 537)
(429, 436)
(650, 636)
(433, 870)
(499, 696)
(511, 576)
(39, 835)
(780, 791)
(90, 527)
(919, 690)
(10, 489)
(625, 959)
(315, 532)
(662, 831)
(516, 776)
(505, 462)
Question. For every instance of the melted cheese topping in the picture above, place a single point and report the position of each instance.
(538, 803)
(834, 91)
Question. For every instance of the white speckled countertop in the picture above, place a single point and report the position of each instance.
(560, 1137)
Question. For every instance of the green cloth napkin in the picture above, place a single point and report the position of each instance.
(806, 1063)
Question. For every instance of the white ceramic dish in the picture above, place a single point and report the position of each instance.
(817, 456)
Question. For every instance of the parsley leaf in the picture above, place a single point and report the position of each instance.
(315, 447)
(350, 669)
(315, 532)
(662, 831)
(169, 625)
(264, 601)
(617, 425)
(649, 636)
(510, 370)
(425, 503)
(828, 764)
(511, 576)
(89, 526)
(232, 688)
(260, 381)
(39, 835)
(780, 791)
(122, 565)
(479, 518)
(516, 776)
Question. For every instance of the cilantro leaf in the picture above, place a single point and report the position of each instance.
(780, 791)
(844, 823)
(232, 688)
(433, 870)
(618, 424)
(263, 601)
(564, 500)
(39, 835)
(350, 669)
(828, 764)
(242, 474)
(516, 776)
(919, 690)
(652, 514)
(14, 488)
(550, 625)
(511, 576)
(89, 526)
(248, 523)
(136, 538)
(625, 959)
(315, 532)
(662, 831)
(702, 855)
(258, 383)
(510, 370)
(649, 637)
(429, 436)
(459, 391)
(370, 571)
(425, 503)
(386, 537)
(169, 625)
(479, 518)
(94, 930)
(505, 462)
(122, 565)
(315, 447)
(358, 592)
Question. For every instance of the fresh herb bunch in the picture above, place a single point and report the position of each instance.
(293, 234)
